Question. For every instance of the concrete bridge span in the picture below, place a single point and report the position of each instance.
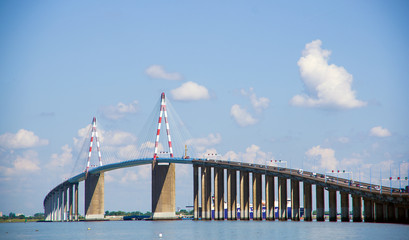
(379, 205)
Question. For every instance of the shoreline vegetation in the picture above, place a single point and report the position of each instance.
(109, 215)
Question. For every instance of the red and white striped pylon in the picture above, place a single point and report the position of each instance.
(163, 110)
(93, 133)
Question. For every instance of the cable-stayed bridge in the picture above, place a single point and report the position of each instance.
(380, 203)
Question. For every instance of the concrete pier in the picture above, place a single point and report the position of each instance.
(64, 215)
(344, 207)
(163, 191)
(244, 196)
(295, 200)
(195, 192)
(320, 203)
(368, 210)
(401, 214)
(94, 197)
(270, 197)
(231, 194)
(307, 201)
(257, 195)
(282, 199)
(76, 202)
(356, 208)
(332, 195)
(60, 207)
(218, 193)
(391, 213)
(379, 212)
(208, 176)
(70, 202)
(206, 193)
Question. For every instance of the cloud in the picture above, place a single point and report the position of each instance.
(120, 110)
(22, 139)
(26, 163)
(379, 132)
(258, 104)
(63, 159)
(157, 71)
(327, 157)
(117, 138)
(327, 85)
(202, 143)
(242, 117)
(190, 91)
(253, 154)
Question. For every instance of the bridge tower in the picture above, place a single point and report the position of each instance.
(94, 183)
(163, 175)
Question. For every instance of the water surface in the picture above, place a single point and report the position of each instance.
(116, 230)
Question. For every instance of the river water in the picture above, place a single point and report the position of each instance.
(188, 229)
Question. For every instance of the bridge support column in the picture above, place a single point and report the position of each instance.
(307, 201)
(195, 192)
(70, 202)
(205, 171)
(94, 196)
(64, 215)
(332, 205)
(244, 196)
(257, 195)
(368, 210)
(49, 209)
(320, 203)
(344, 207)
(356, 208)
(208, 196)
(282, 199)
(56, 202)
(218, 193)
(269, 181)
(401, 214)
(231, 194)
(295, 200)
(163, 191)
(391, 213)
(379, 212)
(53, 207)
(60, 207)
(76, 201)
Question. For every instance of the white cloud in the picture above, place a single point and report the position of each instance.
(190, 91)
(327, 85)
(253, 154)
(117, 138)
(242, 117)
(351, 162)
(157, 71)
(22, 139)
(63, 159)
(258, 104)
(127, 152)
(120, 110)
(327, 157)
(202, 143)
(28, 162)
(379, 132)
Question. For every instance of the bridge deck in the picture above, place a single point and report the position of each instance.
(329, 182)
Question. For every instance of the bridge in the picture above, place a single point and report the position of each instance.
(370, 203)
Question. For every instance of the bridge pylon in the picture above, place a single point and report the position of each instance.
(163, 175)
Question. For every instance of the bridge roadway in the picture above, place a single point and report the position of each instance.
(381, 204)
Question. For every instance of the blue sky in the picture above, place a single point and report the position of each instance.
(322, 85)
